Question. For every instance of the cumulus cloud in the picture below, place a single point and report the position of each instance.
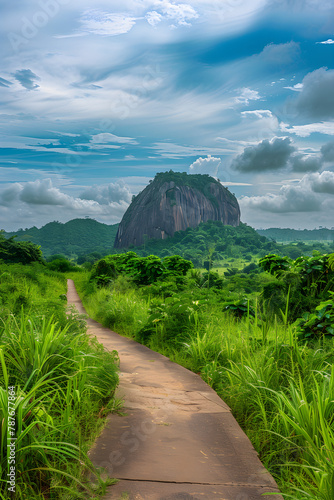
(306, 196)
(302, 163)
(327, 151)
(324, 127)
(181, 13)
(267, 155)
(105, 195)
(154, 18)
(27, 79)
(246, 95)
(11, 193)
(290, 199)
(316, 99)
(43, 192)
(322, 183)
(39, 192)
(207, 165)
(36, 200)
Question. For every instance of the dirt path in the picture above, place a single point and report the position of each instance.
(179, 440)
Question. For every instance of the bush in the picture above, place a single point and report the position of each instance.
(62, 266)
(24, 252)
(318, 324)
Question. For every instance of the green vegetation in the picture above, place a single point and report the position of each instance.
(84, 241)
(248, 337)
(56, 387)
(224, 242)
(15, 251)
(200, 182)
(73, 240)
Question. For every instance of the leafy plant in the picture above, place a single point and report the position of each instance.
(317, 324)
(239, 308)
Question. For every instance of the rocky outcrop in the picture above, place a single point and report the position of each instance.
(173, 202)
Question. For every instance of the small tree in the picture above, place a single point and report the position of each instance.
(23, 252)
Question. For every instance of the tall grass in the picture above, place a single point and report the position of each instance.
(64, 384)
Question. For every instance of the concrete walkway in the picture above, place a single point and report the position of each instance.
(178, 440)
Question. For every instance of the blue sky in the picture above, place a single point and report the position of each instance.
(97, 97)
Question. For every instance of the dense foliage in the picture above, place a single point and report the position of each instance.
(143, 270)
(85, 241)
(17, 251)
(213, 237)
(218, 242)
(305, 281)
(63, 383)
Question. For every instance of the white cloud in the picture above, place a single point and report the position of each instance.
(247, 95)
(154, 18)
(35, 202)
(296, 88)
(324, 127)
(322, 182)
(327, 42)
(107, 194)
(305, 196)
(96, 22)
(107, 138)
(207, 165)
(258, 113)
(180, 13)
(289, 199)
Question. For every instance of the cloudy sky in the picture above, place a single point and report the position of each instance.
(98, 96)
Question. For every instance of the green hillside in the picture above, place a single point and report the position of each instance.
(212, 237)
(74, 238)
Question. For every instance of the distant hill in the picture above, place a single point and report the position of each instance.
(287, 234)
(76, 237)
(176, 201)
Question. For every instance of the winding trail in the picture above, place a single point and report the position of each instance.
(178, 440)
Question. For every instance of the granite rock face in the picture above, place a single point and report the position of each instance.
(166, 206)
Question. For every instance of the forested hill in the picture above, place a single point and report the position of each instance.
(210, 238)
(76, 237)
(279, 234)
